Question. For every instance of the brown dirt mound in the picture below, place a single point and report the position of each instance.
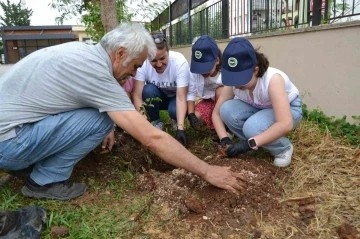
(191, 196)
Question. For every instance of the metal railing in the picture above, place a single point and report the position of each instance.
(229, 18)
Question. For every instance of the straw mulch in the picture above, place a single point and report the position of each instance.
(327, 171)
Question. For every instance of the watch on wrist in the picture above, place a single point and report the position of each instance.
(252, 144)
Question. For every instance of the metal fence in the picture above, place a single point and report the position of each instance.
(185, 20)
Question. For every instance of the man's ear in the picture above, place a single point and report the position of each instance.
(120, 54)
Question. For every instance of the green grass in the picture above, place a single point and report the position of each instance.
(103, 213)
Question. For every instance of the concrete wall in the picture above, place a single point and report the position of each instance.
(323, 62)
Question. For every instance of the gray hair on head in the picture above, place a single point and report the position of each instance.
(132, 36)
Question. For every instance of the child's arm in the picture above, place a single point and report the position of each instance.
(227, 93)
(283, 118)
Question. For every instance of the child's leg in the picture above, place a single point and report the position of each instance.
(234, 113)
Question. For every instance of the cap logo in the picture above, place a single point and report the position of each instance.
(198, 54)
(232, 62)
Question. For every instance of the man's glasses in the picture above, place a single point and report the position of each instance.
(159, 38)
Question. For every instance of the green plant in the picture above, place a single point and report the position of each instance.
(350, 133)
(148, 103)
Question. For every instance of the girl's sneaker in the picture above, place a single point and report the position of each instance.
(284, 159)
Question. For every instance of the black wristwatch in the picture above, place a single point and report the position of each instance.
(252, 144)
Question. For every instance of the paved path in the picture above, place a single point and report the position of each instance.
(4, 68)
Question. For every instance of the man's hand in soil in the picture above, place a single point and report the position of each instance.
(181, 137)
(223, 177)
(194, 121)
(238, 148)
(108, 143)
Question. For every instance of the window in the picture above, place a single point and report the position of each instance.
(53, 42)
(30, 49)
(42, 43)
(21, 43)
(30, 43)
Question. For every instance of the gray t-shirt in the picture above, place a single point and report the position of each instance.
(58, 79)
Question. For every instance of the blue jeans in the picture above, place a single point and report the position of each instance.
(246, 121)
(55, 144)
(166, 103)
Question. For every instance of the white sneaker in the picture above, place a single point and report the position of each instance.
(174, 124)
(158, 124)
(284, 159)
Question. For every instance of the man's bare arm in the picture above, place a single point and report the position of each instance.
(171, 151)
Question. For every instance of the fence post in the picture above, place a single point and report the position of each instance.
(170, 27)
(267, 12)
(189, 22)
(251, 15)
(316, 17)
(225, 19)
(326, 12)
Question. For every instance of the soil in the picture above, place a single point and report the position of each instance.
(190, 197)
(204, 207)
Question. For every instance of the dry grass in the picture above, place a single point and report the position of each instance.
(329, 171)
(323, 168)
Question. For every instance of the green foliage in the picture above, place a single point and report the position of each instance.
(146, 11)
(68, 8)
(337, 10)
(92, 19)
(148, 103)
(350, 133)
(14, 14)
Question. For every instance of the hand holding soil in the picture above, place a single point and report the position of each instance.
(224, 178)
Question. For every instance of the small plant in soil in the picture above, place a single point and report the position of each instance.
(148, 103)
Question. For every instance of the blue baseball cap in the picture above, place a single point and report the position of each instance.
(204, 55)
(239, 62)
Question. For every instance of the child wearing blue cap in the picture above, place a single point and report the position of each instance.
(205, 81)
(266, 105)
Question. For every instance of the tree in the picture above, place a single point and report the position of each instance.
(101, 16)
(93, 20)
(70, 8)
(15, 15)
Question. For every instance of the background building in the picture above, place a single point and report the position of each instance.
(20, 41)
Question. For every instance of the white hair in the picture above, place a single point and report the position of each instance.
(132, 36)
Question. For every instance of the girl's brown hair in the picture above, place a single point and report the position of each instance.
(262, 63)
(218, 66)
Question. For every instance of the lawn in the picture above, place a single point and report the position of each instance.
(133, 194)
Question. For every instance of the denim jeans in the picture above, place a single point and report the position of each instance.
(246, 121)
(166, 103)
(55, 144)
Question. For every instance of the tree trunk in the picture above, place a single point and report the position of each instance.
(109, 14)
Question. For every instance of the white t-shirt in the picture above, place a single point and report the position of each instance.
(261, 91)
(176, 74)
(203, 87)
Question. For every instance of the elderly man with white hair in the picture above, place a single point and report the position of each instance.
(59, 103)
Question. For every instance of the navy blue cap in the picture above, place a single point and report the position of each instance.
(204, 55)
(239, 62)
